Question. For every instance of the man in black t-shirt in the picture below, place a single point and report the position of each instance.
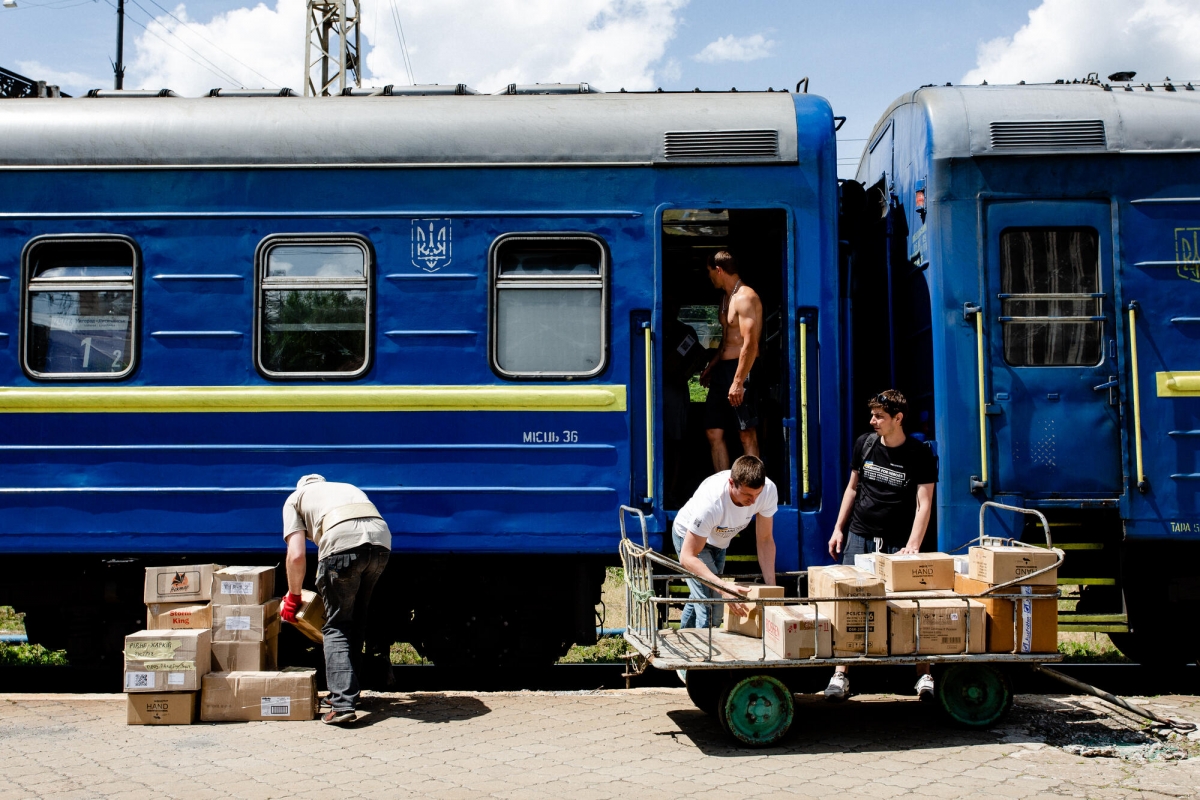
(887, 503)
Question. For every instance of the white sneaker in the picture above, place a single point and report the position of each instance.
(925, 687)
(838, 688)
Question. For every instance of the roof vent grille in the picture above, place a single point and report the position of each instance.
(1071, 134)
(720, 145)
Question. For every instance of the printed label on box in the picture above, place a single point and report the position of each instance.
(276, 706)
(169, 666)
(237, 623)
(148, 649)
(237, 587)
(139, 680)
(1026, 619)
(175, 679)
(184, 582)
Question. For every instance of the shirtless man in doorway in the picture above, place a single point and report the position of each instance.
(731, 399)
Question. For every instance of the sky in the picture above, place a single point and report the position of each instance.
(860, 54)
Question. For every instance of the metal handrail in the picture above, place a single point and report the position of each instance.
(1137, 404)
(649, 416)
(982, 482)
(804, 488)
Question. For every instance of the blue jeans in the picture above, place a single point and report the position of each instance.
(855, 544)
(697, 615)
(345, 582)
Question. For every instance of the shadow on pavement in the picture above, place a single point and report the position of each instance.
(434, 708)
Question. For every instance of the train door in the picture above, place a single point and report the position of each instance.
(689, 330)
(1052, 348)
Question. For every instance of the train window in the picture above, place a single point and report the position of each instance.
(548, 306)
(313, 300)
(1050, 297)
(80, 307)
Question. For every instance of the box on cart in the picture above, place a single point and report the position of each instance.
(186, 584)
(994, 565)
(243, 586)
(856, 624)
(1036, 619)
(794, 631)
(178, 616)
(166, 661)
(310, 619)
(750, 623)
(251, 696)
(161, 708)
(943, 629)
(248, 623)
(917, 572)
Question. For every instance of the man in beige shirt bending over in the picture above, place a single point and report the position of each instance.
(353, 544)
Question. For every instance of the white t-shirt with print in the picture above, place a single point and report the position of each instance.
(711, 514)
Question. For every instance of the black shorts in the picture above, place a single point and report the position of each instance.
(717, 411)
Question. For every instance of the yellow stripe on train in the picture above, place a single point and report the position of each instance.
(201, 399)
(1178, 384)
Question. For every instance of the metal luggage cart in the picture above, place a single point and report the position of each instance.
(736, 678)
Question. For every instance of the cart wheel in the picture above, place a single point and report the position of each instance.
(705, 686)
(756, 710)
(975, 695)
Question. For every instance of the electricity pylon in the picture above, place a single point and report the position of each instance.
(331, 47)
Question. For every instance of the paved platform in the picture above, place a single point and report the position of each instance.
(644, 743)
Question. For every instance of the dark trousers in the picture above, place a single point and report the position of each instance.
(345, 581)
(855, 544)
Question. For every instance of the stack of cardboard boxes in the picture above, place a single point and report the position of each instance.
(212, 636)
(165, 664)
(942, 622)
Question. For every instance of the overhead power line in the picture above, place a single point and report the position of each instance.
(216, 46)
(403, 43)
(224, 76)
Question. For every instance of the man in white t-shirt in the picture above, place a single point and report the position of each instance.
(721, 508)
(353, 544)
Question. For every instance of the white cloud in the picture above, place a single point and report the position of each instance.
(736, 48)
(38, 71)
(1070, 38)
(486, 44)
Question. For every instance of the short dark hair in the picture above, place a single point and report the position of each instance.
(749, 472)
(890, 402)
(724, 260)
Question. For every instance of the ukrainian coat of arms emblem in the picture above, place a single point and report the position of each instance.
(431, 244)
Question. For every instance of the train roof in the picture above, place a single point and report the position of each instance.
(586, 129)
(968, 121)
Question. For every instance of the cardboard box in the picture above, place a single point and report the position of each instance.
(166, 661)
(1037, 620)
(865, 562)
(915, 573)
(161, 708)
(310, 619)
(249, 696)
(245, 656)
(187, 584)
(178, 616)
(249, 623)
(855, 624)
(962, 565)
(243, 586)
(943, 626)
(1003, 564)
(789, 632)
(750, 623)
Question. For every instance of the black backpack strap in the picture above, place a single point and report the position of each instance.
(869, 445)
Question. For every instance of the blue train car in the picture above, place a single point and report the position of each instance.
(1025, 267)
(453, 301)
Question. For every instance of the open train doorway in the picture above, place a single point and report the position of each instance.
(757, 239)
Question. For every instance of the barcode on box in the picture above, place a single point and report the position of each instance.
(237, 587)
(139, 680)
(237, 623)
(951, 640)
(276, 706)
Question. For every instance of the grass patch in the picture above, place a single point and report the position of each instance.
(11, 621)
(1089, 648)
(31, 655)
(696, 392)
(607, 650)
(405, 653)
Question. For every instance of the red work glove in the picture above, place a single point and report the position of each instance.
(291, 604)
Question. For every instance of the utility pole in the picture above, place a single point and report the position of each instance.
(119, 65)
(331, 42)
